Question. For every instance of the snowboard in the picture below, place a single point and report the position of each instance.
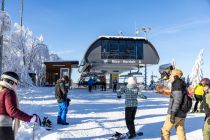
(121, 136)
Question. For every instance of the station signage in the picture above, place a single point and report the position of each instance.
(125, 61)
(115, 76)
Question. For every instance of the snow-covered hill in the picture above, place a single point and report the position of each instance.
(98, 115)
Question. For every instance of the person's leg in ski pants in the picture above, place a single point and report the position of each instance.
(90, 88)
(114, 88)
(206, 130)
(6, 133)
(198, 99)
(179, 125)
(130, 113)
(104, 86)
(63, 109)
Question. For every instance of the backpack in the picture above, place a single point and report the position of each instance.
(186, 103)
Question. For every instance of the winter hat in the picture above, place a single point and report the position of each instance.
(9, 75)
(205, 81)
(177, 72)
(132, 81)
(66, 78)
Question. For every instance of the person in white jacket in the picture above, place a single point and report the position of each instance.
(131, 92)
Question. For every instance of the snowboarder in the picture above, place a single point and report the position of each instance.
(63, 102)
(10, 114)
(176, 117)
(206, 104)
(131, 92)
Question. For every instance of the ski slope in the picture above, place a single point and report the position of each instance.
(98, 115)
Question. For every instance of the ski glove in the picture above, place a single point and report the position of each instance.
(141, 95)
(34, 118)
(172, 117)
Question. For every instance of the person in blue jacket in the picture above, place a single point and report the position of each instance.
(90, 84)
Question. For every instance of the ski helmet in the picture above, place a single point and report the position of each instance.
(205, 81)
(165, 70)
(9, 75)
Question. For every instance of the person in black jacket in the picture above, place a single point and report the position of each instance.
(63, 102)
(115, 82)
(176, 117)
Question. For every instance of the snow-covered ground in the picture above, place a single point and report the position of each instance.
(98, 115)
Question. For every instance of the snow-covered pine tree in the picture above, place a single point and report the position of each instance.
(5, 23)
(54, 57)
(197, 72)
(35, 54)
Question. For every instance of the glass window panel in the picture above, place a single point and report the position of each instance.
(139, 49)
(131, 50)
(122, 49)
(114, 50)
(105, 49)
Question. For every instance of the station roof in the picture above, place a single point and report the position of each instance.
(95, 62)
(73, 63)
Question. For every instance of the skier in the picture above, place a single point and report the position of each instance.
(63, 102)
(206, 104)
(10, 114)
(131, 92)
(176, 117)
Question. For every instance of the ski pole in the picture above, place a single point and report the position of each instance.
(33, 127)
(33, 131)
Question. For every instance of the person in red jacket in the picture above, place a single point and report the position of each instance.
(10, 114)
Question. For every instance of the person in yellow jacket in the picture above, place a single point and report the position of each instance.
(198, 94)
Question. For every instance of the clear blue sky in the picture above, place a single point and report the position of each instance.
(180, 28)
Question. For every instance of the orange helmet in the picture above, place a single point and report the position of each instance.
(177, 72)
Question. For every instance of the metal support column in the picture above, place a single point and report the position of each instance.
(145, 77)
